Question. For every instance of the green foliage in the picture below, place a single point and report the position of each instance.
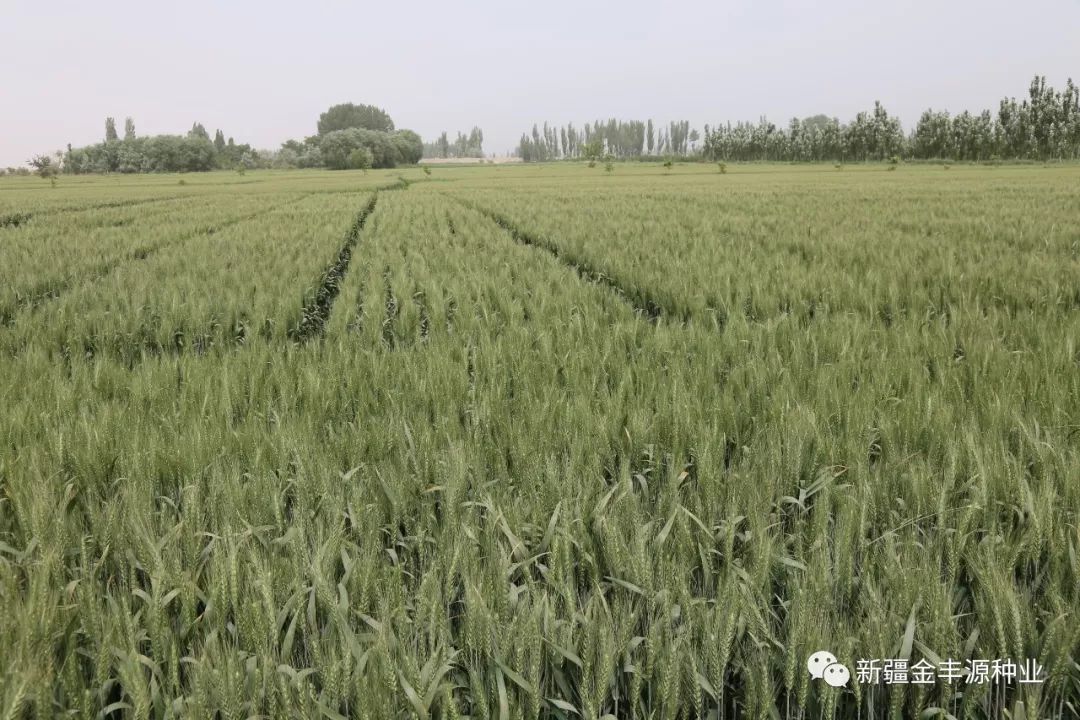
(593, 149)
(43, 166)
(193, 152)
(619, 138)
(296, 154)
(337, 147)
(409, 147)
(348, 115)
(464, 146)
(361, 159)
(1043, 126)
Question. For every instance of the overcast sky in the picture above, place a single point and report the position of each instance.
(263, 71)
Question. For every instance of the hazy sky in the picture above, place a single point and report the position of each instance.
(263, 71)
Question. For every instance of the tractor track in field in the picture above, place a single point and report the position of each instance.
(317, 312)
(41, 295)
(644, 303)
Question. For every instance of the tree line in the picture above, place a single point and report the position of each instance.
(617, 138)
(1045, 125)
(192, 152)
(464, 146)
(349, 136)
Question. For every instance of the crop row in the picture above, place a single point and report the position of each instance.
(35, 204)
(430, 266)
(249, 279)
(93, 244)
(74, 195)
(762, 251)
(639, 298)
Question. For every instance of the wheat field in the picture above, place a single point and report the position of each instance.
(538, 441)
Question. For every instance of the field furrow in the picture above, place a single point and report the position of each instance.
(640, 299)
(317, 310)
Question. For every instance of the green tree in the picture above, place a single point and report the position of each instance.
(475, 145)
(110, 130)
(360, 159)
(43, 165)
(129, 129)
(348, 115)
(129, 157)
(336, 148)
(593, 149)
(409, 147)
